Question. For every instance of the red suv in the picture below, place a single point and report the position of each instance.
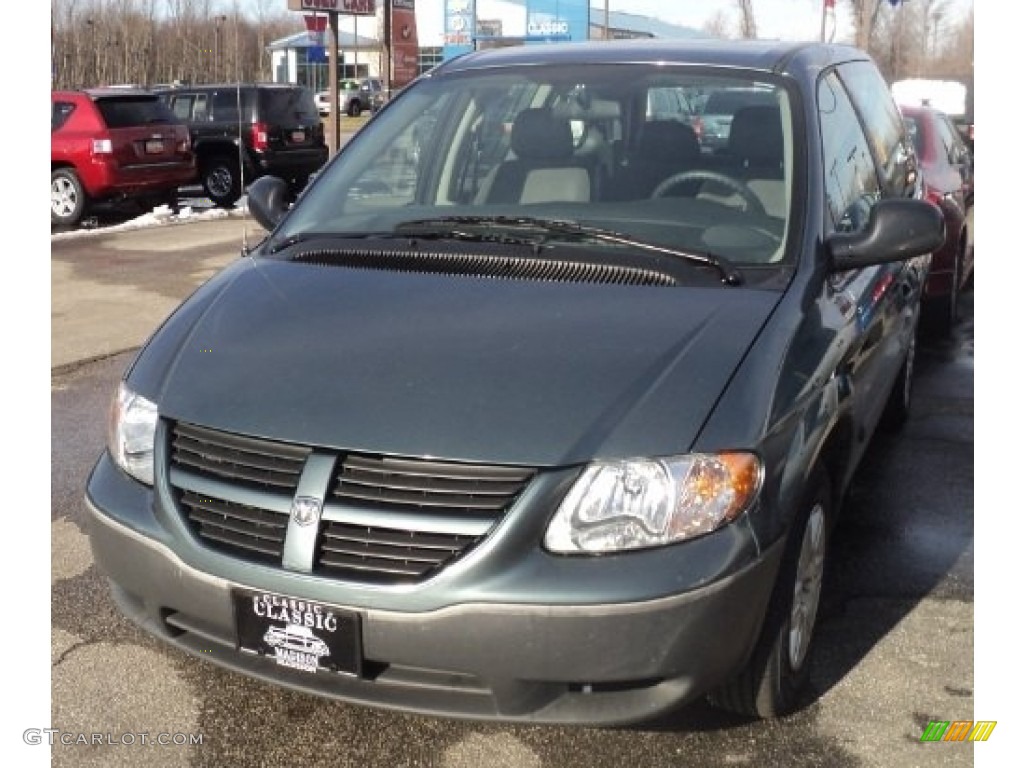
(114, 144)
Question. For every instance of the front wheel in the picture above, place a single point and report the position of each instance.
(897, 407)
(773, 680)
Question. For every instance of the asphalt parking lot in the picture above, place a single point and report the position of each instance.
(895, 643)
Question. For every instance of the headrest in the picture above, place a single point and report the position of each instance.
(756, 135)
(667, 141)
(538, 135)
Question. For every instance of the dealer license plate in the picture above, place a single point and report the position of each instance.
(154, 147)
(299, 634)
(298, 136)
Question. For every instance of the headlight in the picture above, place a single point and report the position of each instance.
(131, 432)
(651, 502)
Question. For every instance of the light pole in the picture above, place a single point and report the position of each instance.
(218, 21)
(93, 56)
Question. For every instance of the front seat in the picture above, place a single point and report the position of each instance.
(663, 148)
(545, 168)
(756, 155)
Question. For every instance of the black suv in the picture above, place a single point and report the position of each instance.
(242, 132)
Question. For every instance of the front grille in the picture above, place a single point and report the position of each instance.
(386, 520)
(414, 484)
(237, 459)
(383, 555)
(239, 528)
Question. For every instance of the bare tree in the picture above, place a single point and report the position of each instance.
(865, 19)
(748, 25)
(155, 41)
(719, 25)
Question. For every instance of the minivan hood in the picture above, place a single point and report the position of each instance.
(462, 368)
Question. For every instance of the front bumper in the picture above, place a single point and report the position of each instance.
(595, 661)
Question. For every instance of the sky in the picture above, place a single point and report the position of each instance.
(780, 19)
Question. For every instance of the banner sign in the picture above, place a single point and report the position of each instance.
(470, 22)
(316, 26)
(405, 46)
(348, 7)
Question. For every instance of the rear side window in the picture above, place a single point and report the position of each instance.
(61, 112)
(287, 105)
(190, 107)
(129, 111)
(224, 105)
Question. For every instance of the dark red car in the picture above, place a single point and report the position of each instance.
(947, 168)
(114, 144)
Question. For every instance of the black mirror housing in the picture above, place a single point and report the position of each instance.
(897, 229)
(268, 201)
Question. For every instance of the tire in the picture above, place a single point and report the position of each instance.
(897, 407)
(221, 179)
(774, 679)
(355, 108)
(946, 311)
(68, 200)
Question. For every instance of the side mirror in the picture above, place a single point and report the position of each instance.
(897, 229)
(268, 200)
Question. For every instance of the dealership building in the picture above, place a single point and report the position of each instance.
(448, 28)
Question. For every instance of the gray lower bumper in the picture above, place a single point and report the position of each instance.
(594, 664)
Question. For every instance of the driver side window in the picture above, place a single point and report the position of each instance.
(851, 179)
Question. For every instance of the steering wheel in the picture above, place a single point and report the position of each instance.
(752, 201)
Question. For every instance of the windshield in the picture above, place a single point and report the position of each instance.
(571, 144)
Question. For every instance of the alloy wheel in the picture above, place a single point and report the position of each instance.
(63, 197)
(219, 181)
(807, 589)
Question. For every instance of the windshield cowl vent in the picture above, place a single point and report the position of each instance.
(480, 265)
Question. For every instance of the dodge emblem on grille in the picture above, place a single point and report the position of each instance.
(305, 510)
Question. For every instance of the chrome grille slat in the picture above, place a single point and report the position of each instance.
(238, 458)
(378, 568)
(425, 499)
(373, 536)
(439, 469)
(238, 525)
(246, 530)
(241, 542)
(427, 484)
(386, 554)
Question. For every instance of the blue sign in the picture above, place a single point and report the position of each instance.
(545, 21)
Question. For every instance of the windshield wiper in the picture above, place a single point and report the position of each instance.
(467, 228)
(413, 230)
(478, 229)
(302, 237)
